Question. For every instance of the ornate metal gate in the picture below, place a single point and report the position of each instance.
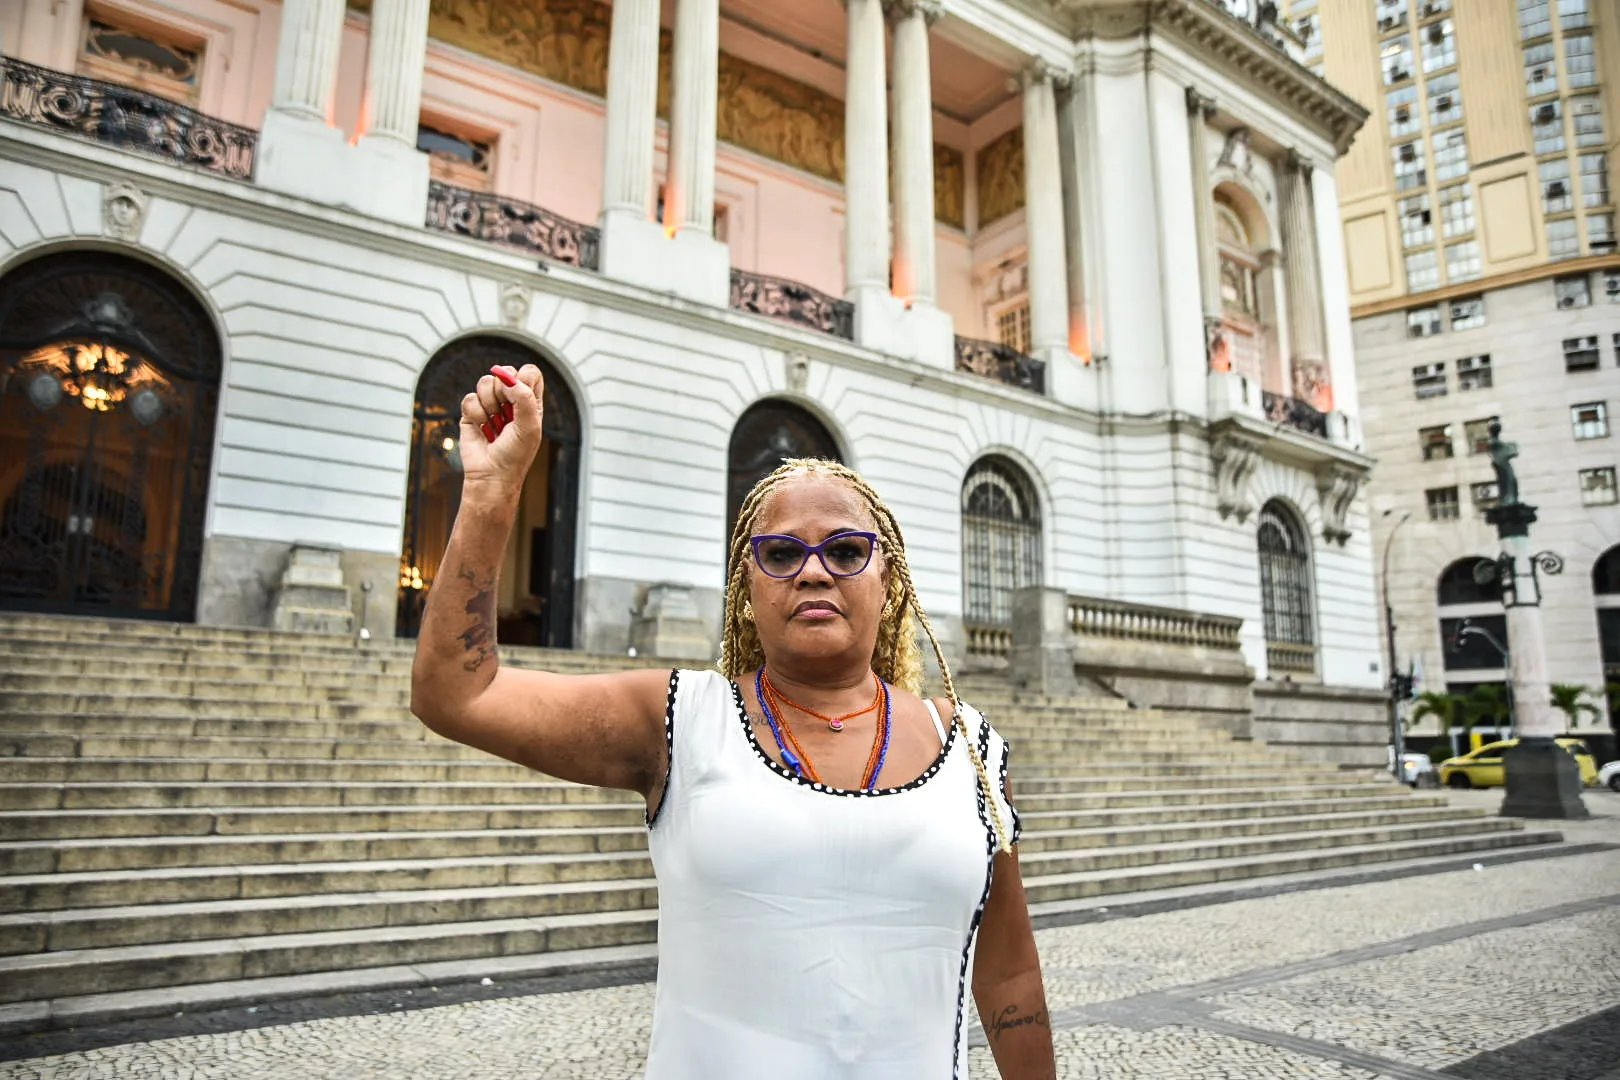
(1001, 540)
(1285, 591)
(768, 433)
(109, 382)
(434, 493)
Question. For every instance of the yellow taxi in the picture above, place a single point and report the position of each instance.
(1483, 767)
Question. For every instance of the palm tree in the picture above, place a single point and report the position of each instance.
(1447, 708)
(1568, 699)
(1486, 703)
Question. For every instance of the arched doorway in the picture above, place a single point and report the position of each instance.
(109, 383)
(1285, 590)
(1001, 539)
(768, 433)
(1606, 591)
(536, 602)
(1246, 339)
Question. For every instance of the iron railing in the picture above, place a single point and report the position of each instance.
(128, 119)
(485, 216)
(1002, 363)
(1294, 413)
(792, 302)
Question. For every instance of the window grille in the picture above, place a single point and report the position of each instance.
(1597, 487)
(1540, 74)
(1467, 313)
(1547, 127)
(1441, 503)
(1435, 442)
(1001, 539)
(1581, 354)
(1422, 270)
(1562, 242)
(1423, 321)
(1429, 380)
(1477, 433)
(1474, 373)
(1462, 261)
(1573, 292)
(1590, 420)
(1285, 578)
(1012, 327)
(157, 62)
(1417, 227)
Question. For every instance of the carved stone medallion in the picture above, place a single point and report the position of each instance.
(123, 211)
(515, 301)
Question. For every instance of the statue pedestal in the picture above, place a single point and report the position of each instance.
(1542, 781)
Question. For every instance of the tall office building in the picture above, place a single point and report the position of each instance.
(1479, 233)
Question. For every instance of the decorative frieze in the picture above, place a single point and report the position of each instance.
(1236, 455)
(1337, 485)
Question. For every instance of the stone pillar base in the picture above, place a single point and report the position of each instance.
(1542, 781)
(312, 598)
(1042, 657)
(1069, 380)
(302, 156)
(1231, 394)
(690, 265)
(669, 625)
(933, 335)
(389, 180)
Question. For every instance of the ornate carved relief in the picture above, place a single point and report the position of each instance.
(123, 211)
(1312, 383)
(950, 197)
(1001, 176)
(781, 119)
(515, 300)
(798, 372)
(1236, 456)
(1337, 485)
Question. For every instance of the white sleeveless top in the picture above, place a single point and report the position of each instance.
(807, 932)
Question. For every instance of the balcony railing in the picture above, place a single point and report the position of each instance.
(1291, 657)
(988, 641)
(792, 302)
(1294, 413)
(1093, 617)
(499, 220)
(1002, 363)
(129, 119)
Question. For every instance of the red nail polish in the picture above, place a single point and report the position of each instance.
(506, 412)
(502, 374)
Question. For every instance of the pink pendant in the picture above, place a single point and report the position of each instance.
(836, 725)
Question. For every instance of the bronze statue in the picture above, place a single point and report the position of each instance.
(1502, 455)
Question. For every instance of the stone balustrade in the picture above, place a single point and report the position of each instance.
(1093, 617)
(1287, 656)
(988, 641)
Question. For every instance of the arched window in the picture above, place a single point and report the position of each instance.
(1285, 589)
(1468, 589)
(536, 605)
(109, 386)
(767, 434)
(1606, 586)
(1243, 303)
(1001, 539)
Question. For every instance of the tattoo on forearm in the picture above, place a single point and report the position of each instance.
(1012, 1017)
(479, 638)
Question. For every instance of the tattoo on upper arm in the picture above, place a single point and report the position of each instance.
(479, 638)
(1013, 1017)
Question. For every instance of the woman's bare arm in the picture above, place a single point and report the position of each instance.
(606, 730)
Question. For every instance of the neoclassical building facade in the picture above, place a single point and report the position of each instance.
(1064, 279)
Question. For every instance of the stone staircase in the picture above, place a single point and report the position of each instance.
(194, 816)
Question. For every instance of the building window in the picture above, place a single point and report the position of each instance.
(1012, 326)
(1535, 18)
(1588, 113)
(1422, 270)
(1001, 539)
(1477, 433)
(1581, 354)
(1597, 487)
(1445, 99)
(1442, 503)
(1435, 442)
(1285, 580)
(1423, 321)
(1417, 228)
(1430, 8)
(1485, 495)
(1556, 196)
(1462, 261)
(1540, 76)
(1403, 115)
(1580, 64)
(1547, 127)
(1474, 373)
(1562, 243)
(1456, 210)
(1397, 59)
(1391, 14)
(1573, 292)
(1308, 27)
(1611, 286)
(1467, 313)
(1600, 232)
(1591, 420)
(1429, 380)
(1439, 46)
(1450, 154)
(457, 160)
(1410, 170)
(1594, 179)
(154, 62)
(1572, 14)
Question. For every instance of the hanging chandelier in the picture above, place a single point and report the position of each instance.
(101, 376)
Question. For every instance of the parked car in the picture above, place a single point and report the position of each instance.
(1417, 770)
(1483, 767)
(1609, 776)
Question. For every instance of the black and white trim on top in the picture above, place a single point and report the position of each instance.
(669, 746)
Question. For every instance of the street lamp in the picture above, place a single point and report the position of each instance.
(1467, 629)
(1397, 737)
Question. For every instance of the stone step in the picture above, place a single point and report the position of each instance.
(33, 893)
(93, 747)
(97, 826)
(37, 976)
(1182, 800)
(147, 794)
(1207, 830)
(1157, 813)
(22, 672)
(30, 703)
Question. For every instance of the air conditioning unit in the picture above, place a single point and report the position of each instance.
(1584, 106)
(1408, 152)
(1399, 75)
(1388, 22)
(1556, 190)
(1566, 301)
(1403, 113)
(1443, 103)
(1546, 113)
(1437, 33)
(1431, 9)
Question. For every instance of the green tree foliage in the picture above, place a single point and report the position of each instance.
(1572, 701)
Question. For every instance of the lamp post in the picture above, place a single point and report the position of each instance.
(1468, 629)
(1397, 734)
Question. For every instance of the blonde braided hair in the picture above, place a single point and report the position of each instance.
(895, 657)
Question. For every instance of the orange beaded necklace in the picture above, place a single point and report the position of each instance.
(880, 740)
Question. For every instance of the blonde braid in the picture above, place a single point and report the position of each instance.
(895, 656)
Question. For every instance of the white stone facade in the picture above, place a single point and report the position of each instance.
(328, 309)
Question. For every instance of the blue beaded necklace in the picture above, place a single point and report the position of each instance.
(793, 760)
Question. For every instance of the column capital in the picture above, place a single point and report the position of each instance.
(931, 11)
(1200, 104)
(1298, 162)
(1039, 70)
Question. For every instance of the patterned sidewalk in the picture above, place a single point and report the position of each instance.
(1507, 972)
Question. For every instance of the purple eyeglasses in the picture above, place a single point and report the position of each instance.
(842, 554)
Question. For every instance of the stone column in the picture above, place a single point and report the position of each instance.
(914, 262)
(306, 57)
(399, 33)
(694, 86)
(1043, 217)
(632, 111)
(1200, 110)
(866, 154)
(1308, 374)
